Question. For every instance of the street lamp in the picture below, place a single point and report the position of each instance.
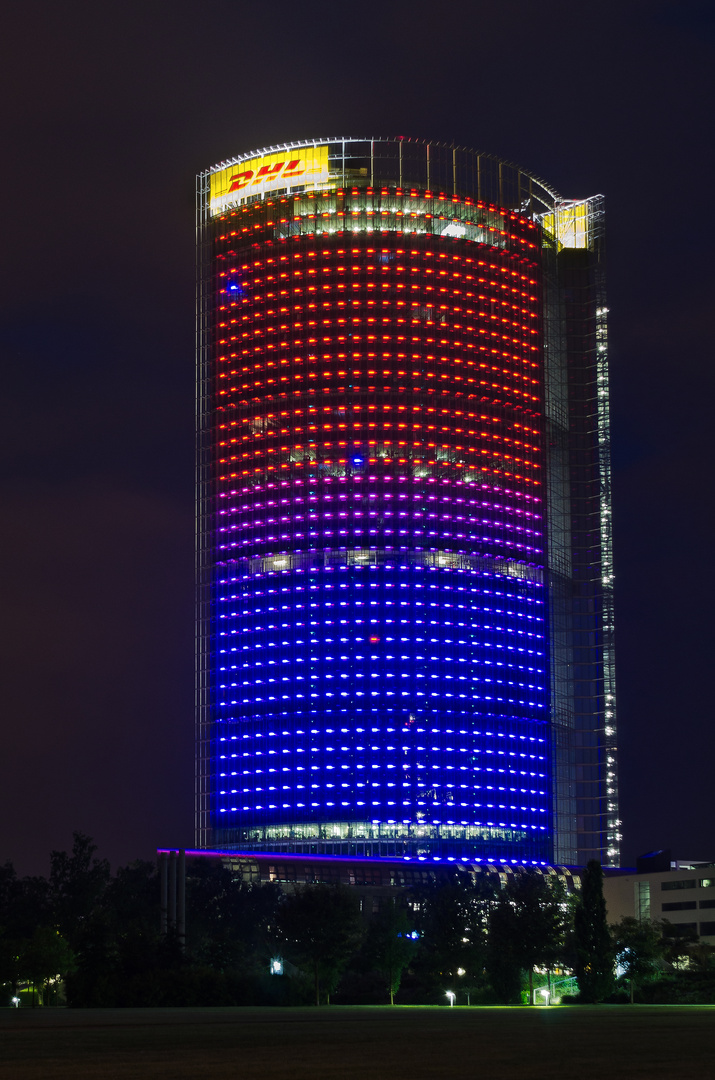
(451, 995)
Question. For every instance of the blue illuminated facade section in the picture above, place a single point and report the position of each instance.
(391, 704)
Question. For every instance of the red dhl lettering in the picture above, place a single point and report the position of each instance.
(284, 170)
(269, 172)
(241, 180)
(295, 168)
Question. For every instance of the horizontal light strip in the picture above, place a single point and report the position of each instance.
(446, 560)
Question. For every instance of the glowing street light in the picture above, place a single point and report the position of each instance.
(451, 995)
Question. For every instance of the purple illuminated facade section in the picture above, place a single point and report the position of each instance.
(374, 654)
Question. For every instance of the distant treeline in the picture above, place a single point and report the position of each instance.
(85, 937)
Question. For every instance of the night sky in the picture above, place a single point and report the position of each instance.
(109, 111)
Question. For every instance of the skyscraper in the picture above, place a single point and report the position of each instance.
(405, 618)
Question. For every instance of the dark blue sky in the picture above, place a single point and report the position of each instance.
(109, 111)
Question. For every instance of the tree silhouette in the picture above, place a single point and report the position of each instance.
(390, 945)
(320, 927)
(24, 905)
(592, 938)
(526, 929)
(77, 884)
(638, 947)
(503, 959)
(452, 919)
(229, 919)
(44, 955)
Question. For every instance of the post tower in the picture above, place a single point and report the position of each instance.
(405, 618)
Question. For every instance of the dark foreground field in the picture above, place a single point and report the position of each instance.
(382, 1043)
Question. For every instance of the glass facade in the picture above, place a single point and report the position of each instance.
(382, 557)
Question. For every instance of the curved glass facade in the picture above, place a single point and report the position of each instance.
(375, 666)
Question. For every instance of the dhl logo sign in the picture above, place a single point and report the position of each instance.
(306, 167)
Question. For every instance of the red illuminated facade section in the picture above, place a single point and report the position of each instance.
(418, 356)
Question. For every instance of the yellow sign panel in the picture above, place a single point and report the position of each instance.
(569, 224)
(306, 167)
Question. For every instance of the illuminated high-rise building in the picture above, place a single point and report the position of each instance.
(405, 614)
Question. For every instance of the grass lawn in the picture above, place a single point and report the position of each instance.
(382, 1043)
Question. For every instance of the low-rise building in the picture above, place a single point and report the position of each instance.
(683, 892)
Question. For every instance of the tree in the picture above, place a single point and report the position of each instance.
(123, 948)
(534, 932)
(677, 942)
(320, 926)
(637, 946)
(592, 938)
(702, 956)
(24, 906)
(452, 920)
(390, 945)
(77, 884)
(9, 937)
(502, 960)
(229, 919)
(45, 955)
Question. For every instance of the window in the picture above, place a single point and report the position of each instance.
(643, 901)
(687, 883)
(707, 903)
(707, 882)
(707, 929)
(681, 905)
